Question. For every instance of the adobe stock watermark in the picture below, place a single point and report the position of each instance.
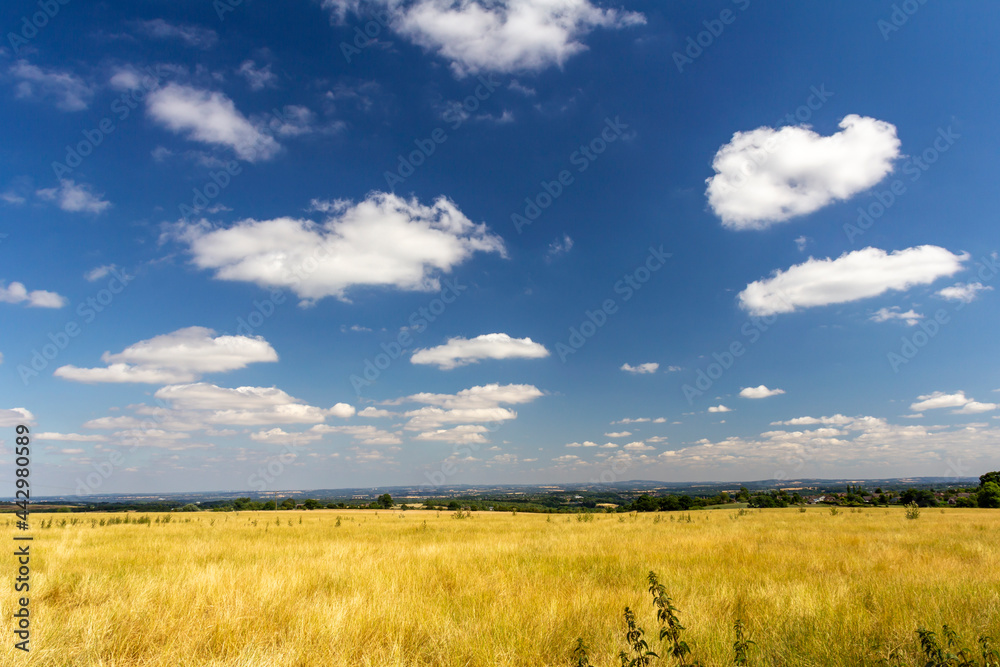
(365, 36)
(438, 478)
(581, 158)
(696, 46)
(121, 109)
(268, 473)
(751, 331)
(627, 287)
(33, 23)
(911, 345)
(418, 322)
(899, 17)
(408, 164)
(58, 340)
(914, 168)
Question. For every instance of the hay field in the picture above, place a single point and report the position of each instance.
(424, 588)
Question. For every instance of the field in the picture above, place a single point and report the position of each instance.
(425, 588)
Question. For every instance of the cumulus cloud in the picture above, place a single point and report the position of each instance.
(964, 404)
(211, 118)
(911, 317)
(243, 406)
(640, 420)
(638, 446)
(75, 198)
(14, 416)
(475, 405)
(69, 92)
(719, 408)
(460, 351)
(766, 175)
(618, 434)
(69, 437)
(860, 274)
(964, 292)
(17, 293)
(383, 241)
(760, 392)
(191, 35)
(641, 369)
(181, 356)
(494, 35)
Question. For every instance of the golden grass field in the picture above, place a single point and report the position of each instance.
(424, 588)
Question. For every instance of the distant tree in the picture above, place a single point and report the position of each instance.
(287, 504)
(454, 506)
(384, 501)
(989, 495)
(968, 501)
(989, 477)
(311, 504)
(244, 504)
(744, 495)
(269, 505)
(645, 503)
(190, 507)
(922, 497)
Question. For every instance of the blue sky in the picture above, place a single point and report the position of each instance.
(510, 242)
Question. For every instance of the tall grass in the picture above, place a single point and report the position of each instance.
(218, 589)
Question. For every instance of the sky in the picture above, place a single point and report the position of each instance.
(350, 243)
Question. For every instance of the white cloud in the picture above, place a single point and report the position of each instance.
(75, 198)
(637, 447)
(69, 91)
(911, 317)
(766, 175)
(965, 405)
(760, 392)
(585, 443)
(209, 117)
(277, 436)
(650, 367)
(69, 437)
(342, 410)
(17, 293)
(559, 246)
(181, 356)
(384, 241)
(366, 435)
(860, 274)
(800, 243)
(837, 419)
(640, 420)
(195, 406)
(99, 272)
(464, 434)
(460, 351)
(495, 35)
(618, 434)
(719, 408)
(196, 36)
(12, 197)
(12, 417)
(939, 399)
(258, 78)
(966, 293)
(375, 413)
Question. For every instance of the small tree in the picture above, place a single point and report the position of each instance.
(384, 501)
(311, 504)
(287, 504)
(989, 477)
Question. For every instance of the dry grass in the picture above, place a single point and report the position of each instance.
(240, 590)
